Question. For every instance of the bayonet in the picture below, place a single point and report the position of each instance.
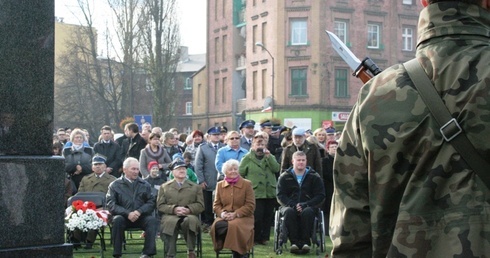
(364, 69)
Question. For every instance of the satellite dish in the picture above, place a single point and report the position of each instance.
(268, 102)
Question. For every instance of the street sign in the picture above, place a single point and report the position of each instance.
(340, 116)
(141, 119)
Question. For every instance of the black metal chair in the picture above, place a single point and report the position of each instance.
(99, 202)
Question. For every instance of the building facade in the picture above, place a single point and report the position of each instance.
(269, 58)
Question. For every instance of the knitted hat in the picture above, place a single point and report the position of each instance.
(152, 164)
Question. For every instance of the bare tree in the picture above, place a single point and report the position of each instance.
(88, 89)
(127, 15)
(162, 44)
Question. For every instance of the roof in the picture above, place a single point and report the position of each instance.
(192, 64)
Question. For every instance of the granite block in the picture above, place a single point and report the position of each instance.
(26, 77)
(32, 202)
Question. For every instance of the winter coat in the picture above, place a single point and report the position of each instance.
(171, 195)
(313, 157)
(310, 191)
(262, 174)
(91, 183)
(124, 197)
(239, 198)
(147, 155)
(205, 168)
(82, 157)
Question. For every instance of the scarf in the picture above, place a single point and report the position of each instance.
(154, 155)
(77, 147)
(232, 181)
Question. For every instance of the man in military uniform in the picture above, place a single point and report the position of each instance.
(99, 180)
(401, 190)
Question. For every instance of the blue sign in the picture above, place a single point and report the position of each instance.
(141, 119)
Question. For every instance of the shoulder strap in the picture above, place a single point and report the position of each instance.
(449, 127)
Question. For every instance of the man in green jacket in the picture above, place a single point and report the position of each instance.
(401, 190)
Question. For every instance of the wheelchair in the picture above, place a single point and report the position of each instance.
(317, 234)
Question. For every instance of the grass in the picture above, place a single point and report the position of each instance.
(260, 251)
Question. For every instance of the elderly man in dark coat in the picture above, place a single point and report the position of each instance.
(180, 201)
(131, 202)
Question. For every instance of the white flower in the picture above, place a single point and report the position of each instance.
(84, 221)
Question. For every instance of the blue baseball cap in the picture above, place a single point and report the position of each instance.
(299, 131)
(330, 130)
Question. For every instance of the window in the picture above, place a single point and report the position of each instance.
(188, 108)
(216, 91)
(408, 2)
(254, 38)
(298, 32)
(223, 47)
(373, 35)
(216, 48)
(199, 94)
(224, 8)
(216, 10)
(264, 33)
(223, 90)
(188, 83)
(298, 82)
(254, 85)
(264, 83)
(341, 90)
(340, 29)
(407, 38)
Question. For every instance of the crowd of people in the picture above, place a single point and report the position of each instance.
(164, 169)
(396, 184)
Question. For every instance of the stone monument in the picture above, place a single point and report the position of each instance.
(31, 180)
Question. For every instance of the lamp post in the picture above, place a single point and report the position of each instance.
(259, 44)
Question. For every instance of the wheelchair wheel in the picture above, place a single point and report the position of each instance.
(277, 233)
(322, 233)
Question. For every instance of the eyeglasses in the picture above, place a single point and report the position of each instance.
(234, 138)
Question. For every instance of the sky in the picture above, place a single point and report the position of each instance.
(192, 14)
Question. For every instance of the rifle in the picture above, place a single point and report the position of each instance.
(364, 70)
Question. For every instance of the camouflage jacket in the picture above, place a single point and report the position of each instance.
(400, 189)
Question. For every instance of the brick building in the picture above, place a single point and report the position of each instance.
(258, 50)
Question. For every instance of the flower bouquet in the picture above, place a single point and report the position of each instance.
(84, 216)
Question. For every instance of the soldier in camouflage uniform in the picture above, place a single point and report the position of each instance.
(400, 189)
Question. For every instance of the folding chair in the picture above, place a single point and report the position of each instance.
(99, 202)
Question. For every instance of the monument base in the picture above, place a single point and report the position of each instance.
(47, 251)
(32, 207)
